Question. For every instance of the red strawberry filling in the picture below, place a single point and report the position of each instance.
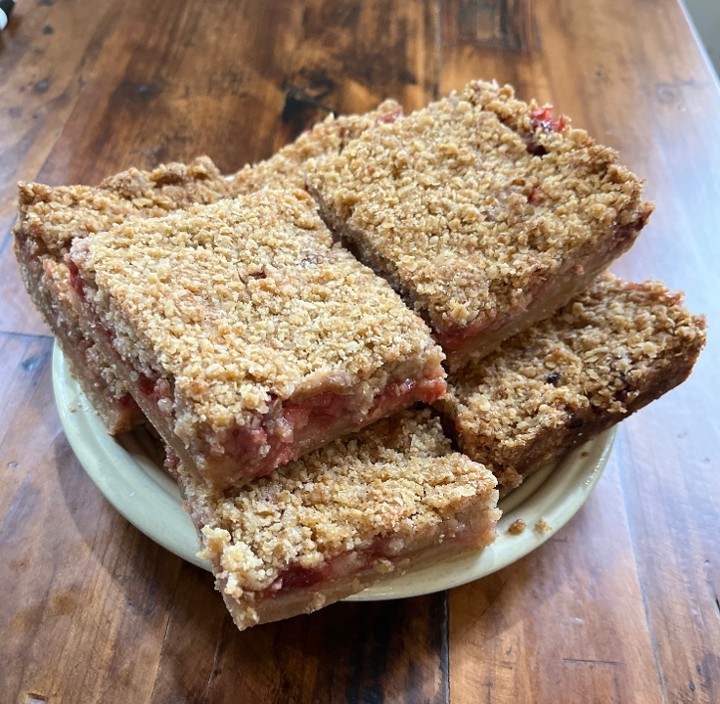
(298, 426)
(543, 118)
(314, 420)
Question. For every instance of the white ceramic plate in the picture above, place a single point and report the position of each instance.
(135, 484)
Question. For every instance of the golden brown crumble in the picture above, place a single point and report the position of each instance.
(246, 302)
(57, 215)
(542, 526)
(451, 205)
(615, 346)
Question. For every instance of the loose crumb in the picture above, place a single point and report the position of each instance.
(517, 527)
(542, 526)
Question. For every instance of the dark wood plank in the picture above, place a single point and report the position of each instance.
(210, 83)
(672, 499)
(346, 653)
(668, 472)
(350, 55)
(182, 92)
(46, 53)
(84, 594)
(490, 41)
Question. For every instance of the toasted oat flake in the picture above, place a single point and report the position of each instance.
(542, 526)
(516, 527)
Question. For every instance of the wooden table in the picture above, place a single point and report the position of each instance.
(622, 605)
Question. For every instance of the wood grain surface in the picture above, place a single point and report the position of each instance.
(622, 605)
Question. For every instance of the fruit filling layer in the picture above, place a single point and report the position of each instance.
(291, 428)
(255, 449)
(383, 553)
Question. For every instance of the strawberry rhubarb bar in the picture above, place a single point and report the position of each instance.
(246, 336)
(486, 213)
(605, 355)
(51, 218)
(341, 518)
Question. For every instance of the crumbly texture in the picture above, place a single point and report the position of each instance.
(51, 218)
(610, 351)
(478, 205)
(327, 138)
(108, 394)
(55, 216)
(246, 303)
(542, 526)
(379, 494)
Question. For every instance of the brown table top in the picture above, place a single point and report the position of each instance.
(622, 605)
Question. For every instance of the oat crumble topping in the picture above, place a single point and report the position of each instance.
(462, 216)
(57, 215)
(247, 302)
(594, 357)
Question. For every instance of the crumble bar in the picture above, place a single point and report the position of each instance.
(51, 218)
(341, 518)
(246, 336)
(484, 212)
(603, 356)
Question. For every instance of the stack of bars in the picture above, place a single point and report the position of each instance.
(352, 349)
